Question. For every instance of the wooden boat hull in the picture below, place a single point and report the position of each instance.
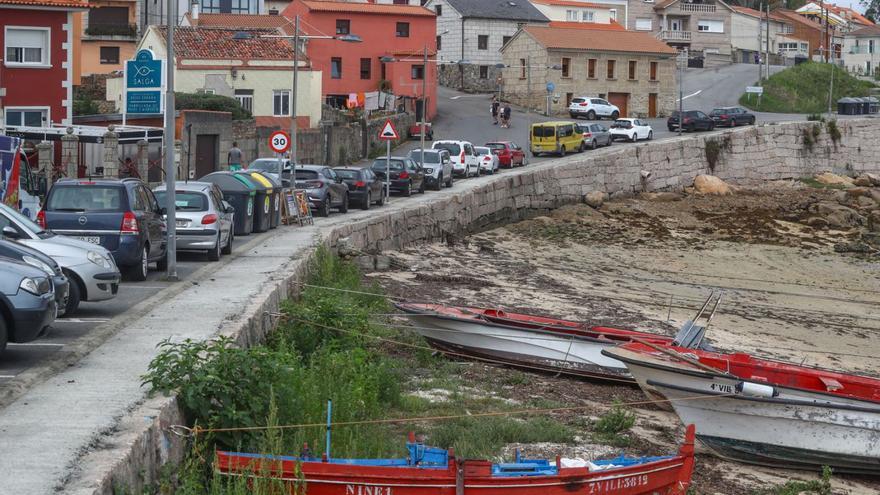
(780, 432)
(666, 476)
(531, 349)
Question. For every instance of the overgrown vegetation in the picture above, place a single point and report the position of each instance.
(821, 486)
(804, 89)
(217, 103)
(815, 117)
(715, 147)
(611, 428)
(811, 136)
(833, 131)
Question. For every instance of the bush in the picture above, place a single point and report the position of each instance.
(216, 103)
(610, 428)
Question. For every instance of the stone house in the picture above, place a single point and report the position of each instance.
(749, 37)
(702, 27)
(632, 70)
(860, 50)
(474, 31)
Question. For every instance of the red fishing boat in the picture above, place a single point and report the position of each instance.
(433, 471)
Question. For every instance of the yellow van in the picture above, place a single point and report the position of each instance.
(555, 137)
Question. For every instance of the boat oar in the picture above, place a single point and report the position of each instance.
(678, 356)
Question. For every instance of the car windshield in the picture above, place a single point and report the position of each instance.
(496, 146)
(578, 100)
(185, 200)
(452, 148)
(306, 175)
(430, 156)
(543, 131)
(348, 174)
(622, 124)
(26, 222)
(86, 198)
(379, 165)
(265, 165)
(482, 150)
(720, 111)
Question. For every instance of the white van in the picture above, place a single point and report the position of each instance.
(465, 162)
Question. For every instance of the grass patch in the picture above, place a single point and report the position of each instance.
(804, 89)
(812, 182)
(483, 437)
(821, 486)
(612, 427)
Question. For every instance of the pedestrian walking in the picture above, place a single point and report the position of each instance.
(505, 117)
(234, 157)
(495, 106)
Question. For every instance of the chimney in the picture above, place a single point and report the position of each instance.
(194, 10)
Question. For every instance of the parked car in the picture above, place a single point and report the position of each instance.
(120, 215)
(592, 108)
(732, 116)
(26, 300)
(509, 153)
(693, 120)
(594, 135)
(437, 167)
(203, 221)
(406, 175)
(489, 162)
(324, 188)
(464, 160)
(415, 131)
(364, 187)
(555, 137)
(90, 269)
(631, 129)
(270, 166)
(30, 256)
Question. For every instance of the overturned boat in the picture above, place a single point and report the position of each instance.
(434, 471)
(762, 411)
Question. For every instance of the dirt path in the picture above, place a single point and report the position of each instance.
(649, 264)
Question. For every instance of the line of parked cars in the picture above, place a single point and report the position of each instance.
(695, 120)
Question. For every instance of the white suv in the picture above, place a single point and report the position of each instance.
(465, 162)
(592, 108)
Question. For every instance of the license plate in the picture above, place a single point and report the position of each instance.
(91, 239)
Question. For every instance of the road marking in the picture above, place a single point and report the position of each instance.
(35, 344)
(466, 96)
(8, 376)
(145, 287)
(83, 320)
(688, 96)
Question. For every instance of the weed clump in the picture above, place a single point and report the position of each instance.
(611, 428)
(821, 486)
(715, 148)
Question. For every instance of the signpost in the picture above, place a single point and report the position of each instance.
(550, 89)
(388, 134)
(279, 142)
(758, 90)
(144, 81)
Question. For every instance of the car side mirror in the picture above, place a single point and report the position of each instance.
(10, 233)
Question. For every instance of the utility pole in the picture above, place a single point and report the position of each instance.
(767, 43)
(831, 86)
(293, 143)
(682, 59)
(424, 108)
(529, 80)
(170, 168)
(758, 53)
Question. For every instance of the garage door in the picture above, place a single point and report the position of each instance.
(620, 100)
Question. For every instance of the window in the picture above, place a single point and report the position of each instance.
(566, 65)
(402, 30)
(418, 72)
(438, 42)
(27, 117)
(366, 68)
(239, 7)
(505, 39)
(644, 24)
(870, 46)
(109, 21)
(653, 74)
(336, 68)
(610, 73)
(571, 15)
(613, 14)
(281, 103)
(245, 98)
(438, 9)
(343, 26)
(587, 16)
(205, 91)
(708, 26)
(109, 54)
(484, 72)
(591, 68)
(632, 69)
(27, 46)
(522, 68)
(483, 42)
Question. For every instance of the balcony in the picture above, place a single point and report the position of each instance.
(696, 7)
(860, 50)
(666, 35)
(111, 32)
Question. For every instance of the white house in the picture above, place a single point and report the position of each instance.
(749, 36)
(860, 50)
(598, 11)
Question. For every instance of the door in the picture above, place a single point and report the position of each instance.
(652, 105)
(206, 154)
(620, 100)
(675, 25)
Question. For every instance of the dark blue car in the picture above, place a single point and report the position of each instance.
(121, 215)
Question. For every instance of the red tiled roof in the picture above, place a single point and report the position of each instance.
(73, 4)
(866, 31)
(758, 14)
(599, 40)
(611, 26)
(240, 20)
(794, 16)
(367, 8)
(213, 43)
(573, 3)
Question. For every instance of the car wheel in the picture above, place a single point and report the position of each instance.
(594, 144)
(634, 137)
(477, 174)
(74, 295)
(591, 115)
(711, 127)
(4, 336)
(381, 201)
(343, 208)
(324, 210)
(227, 249)
(752, 121)
(562, 151)
(138, 272)
(214, 252)
(439, 184)
(582, 147)
(408, 192)
(367, 202)
(572, 115)
(650, 135)
(450, 180)
(614, 115)
(671, 129)
(422, 187)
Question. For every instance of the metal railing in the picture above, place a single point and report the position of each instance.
(111, 30)
(855, 50)
(666, 35)
(696, 7)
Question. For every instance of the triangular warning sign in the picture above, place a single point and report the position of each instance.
(388, 132)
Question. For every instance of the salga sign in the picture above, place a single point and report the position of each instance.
(144, 80)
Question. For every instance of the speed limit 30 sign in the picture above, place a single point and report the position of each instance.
(279, 141)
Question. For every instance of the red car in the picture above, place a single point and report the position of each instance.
(415, 131)
(509, 154)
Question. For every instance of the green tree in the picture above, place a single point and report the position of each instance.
(872, 9)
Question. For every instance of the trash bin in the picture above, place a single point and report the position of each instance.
(873, 105)
(274, 191)
(864, 105)
(261, 201)
(239, 193)
(847, 106)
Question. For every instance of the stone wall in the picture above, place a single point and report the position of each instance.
(469, 77)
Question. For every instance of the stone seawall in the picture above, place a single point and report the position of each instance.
(139, 445)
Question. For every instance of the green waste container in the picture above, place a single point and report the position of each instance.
(239, 193)
(274, 191)
(262, 202)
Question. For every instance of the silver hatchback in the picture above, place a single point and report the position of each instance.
(203, 219)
